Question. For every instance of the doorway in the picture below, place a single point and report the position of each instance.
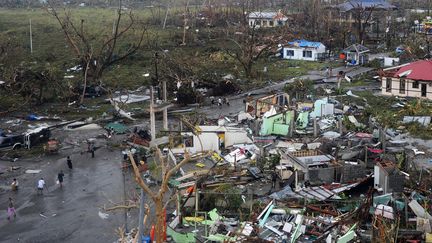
(423, 90)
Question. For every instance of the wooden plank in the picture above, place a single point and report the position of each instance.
(192, 174)
(187, 184)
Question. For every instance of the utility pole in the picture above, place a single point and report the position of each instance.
(165, 110)
(156, 79)
(31, 37)
(152, 115)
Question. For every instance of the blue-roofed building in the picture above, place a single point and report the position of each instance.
(304, 50)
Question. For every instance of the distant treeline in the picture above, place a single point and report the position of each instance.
(90, 3)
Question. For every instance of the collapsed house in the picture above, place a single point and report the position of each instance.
(388, 178)
(312, 167)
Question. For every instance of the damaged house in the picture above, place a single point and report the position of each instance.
(266, 19)
(408, 80)
(304, 50)
(317, 168)
(211, 138)
(388, 178)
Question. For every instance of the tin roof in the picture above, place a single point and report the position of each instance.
(305, 43)
(355, 4)
(419, 70)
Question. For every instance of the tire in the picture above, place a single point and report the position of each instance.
(16, 146)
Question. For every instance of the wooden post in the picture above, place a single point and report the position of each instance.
(366, 155)
(292, 126)
(196, 200)
(178, 206)
(315, 126)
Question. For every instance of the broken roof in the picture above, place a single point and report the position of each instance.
(267, 15)
(419, 70)
(305, 43)
(356, 48)
(364, 4)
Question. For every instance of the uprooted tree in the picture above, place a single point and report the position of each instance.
(97, 52)
(158, 197)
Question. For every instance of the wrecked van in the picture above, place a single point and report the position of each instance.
(11, 142)
(25, 140)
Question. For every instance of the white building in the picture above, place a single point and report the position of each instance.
(212, 138)
(408, 80)
(266, 19)
(304, 50)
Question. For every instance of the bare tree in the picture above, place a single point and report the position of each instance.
(248, 44)
(96, 55)
(362, 17)
(158, 197)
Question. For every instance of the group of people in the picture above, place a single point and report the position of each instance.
(220, 102)
(40, 188)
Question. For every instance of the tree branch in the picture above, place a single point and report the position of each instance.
(139, 179)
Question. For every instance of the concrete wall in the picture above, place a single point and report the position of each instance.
(210, 142)
(396, 183)
(265, 22)
(277, 124)
(409, 90)
(321, 175)
(236, 137)
(352, 172)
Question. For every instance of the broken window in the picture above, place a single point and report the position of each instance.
(188, 141)
(290, 53)
(415, 85)
(271, 23)
(388, 84)
(307, 54)
(402, 86)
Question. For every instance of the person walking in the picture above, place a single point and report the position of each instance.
(40, 186)
(69, 162)
(274, 178)
(220, 103)
(227, 102)
(92, 150)
(60, 178)
(11, 209)
(14, 185)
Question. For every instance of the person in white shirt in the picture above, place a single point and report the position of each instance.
(40, 186)
(14, 185)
